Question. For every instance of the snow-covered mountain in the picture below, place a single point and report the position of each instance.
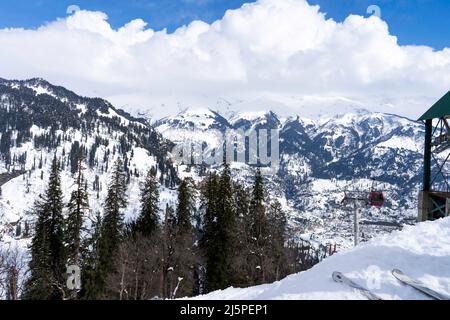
(321, 158)
(39, 120)
(421, 251)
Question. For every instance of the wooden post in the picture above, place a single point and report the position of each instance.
(425, 206)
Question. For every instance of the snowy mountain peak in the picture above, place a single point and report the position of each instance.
(199, 119)
(251, 116)
(39, 92)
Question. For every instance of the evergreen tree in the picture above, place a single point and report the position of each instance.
(257, 208)
(258, 233)
(186, 206)
(90, 260)
(112, 225)
(209, 205)
(5, 143)
(167, 252)
(147, 221)
(277, 221)
(77, 208)
(241, 204)
(75, 154)
(276, 251)
(183, 257)
(219, 228)
(38, 285)
(48, 259)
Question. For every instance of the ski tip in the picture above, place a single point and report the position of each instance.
(397, 272)
(337, 276)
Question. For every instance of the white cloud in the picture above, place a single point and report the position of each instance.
(270, 50)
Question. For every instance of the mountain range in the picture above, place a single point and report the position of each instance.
(320, 158)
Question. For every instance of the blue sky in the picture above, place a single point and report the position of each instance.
(276, 52)
(419, 22)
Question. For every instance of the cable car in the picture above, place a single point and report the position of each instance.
(376, 199)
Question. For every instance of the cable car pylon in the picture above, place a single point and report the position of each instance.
(374, 198)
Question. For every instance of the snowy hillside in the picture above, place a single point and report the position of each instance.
(39, 121)
(421, 251)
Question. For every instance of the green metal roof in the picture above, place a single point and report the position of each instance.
(439, 109)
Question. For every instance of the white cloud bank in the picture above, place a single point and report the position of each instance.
(284, 51)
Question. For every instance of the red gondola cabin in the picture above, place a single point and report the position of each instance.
(376, 199)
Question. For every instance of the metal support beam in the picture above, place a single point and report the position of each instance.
(427, 156)
(356, 223)
(438, 208)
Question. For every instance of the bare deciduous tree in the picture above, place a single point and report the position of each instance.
(138, 266)
(12, 273)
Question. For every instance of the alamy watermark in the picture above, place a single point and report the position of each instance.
(73, 8)
(253, 147)
(73, 277)
(374, 275)
(374, 10)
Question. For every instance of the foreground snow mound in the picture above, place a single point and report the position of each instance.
(421, 251)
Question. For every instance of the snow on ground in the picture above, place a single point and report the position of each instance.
(408, 143)
(421, 251)
(249, 116)
(113, 114)
(41, 90)
(19, 194)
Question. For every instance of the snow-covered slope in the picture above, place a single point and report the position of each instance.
(39, 121)
(422, 251)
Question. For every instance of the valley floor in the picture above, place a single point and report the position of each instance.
(421, 251)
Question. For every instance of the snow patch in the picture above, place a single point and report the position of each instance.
(421, 251)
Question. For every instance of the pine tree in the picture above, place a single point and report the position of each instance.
(112, 224)
(77, 208)
(219, 228)
(241, 204)
(47, 265)
(258, 233)
(5, 143)
(227, 224)
(183, 257)
(167, 251)
(38, 285)
(57, 226)
(147, 221)
(257, 208)
(90, 260)
(276, 251)
(186, 206)
(277, 221)
(210, 228)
